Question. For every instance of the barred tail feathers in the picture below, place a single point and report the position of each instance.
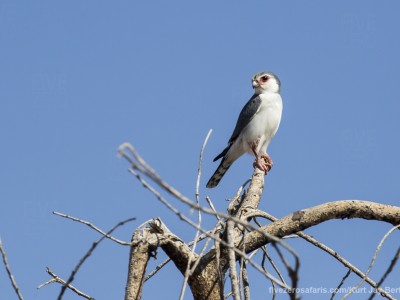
(219, 173)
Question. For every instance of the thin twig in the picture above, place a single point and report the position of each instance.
(60, 280)
(200, 165)
(88, 253)
(46, 283)
(93, 227)
(372, 261)
(158, 268)
(10, 275)
(226, 296)
(188, 268)
(237, 197)
(266, 255)
(293, 273)
(197, 196)
(208, 199)
(340, 284)
(387, 272)
(144, 168)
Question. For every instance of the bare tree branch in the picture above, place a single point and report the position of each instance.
(331, 252)
(350, 212)
(253, 193)
(197, 196)
(312, 216)
(252, 199)
(208, 199)
(175, 248)
(60, 280)
(93, 227)
(87, 255)
(160, 266)
(341, 283)
(144, 242)
(179, 253)
(10, 275)
(372, 261)
(266, 255)
(209, 239)
(387, 272)
(255, 189)
(246, 283)
(200, 166)
(236, 220)
(145, 169)
(232, 261)
(244, 207)
(293, 273)
(138, 258)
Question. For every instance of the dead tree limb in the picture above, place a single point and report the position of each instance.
(10, 275)
(303, 219)
(58, 279)
(206, 278)
(139, 256)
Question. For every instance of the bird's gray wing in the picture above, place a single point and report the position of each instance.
(248, 112)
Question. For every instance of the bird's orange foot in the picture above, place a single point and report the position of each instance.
(263, 162)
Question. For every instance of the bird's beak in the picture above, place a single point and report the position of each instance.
(255, 84)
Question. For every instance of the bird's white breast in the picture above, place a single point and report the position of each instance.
(264, 124)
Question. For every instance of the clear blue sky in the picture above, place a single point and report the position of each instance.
(78, 78)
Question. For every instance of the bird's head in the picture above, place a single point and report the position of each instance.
(266, 82)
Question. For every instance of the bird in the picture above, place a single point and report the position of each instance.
(257, 124)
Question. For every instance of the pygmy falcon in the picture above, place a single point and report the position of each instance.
(256, 126)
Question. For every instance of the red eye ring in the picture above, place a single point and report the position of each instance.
(264, 78)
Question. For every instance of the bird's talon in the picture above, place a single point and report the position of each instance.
(263, 162)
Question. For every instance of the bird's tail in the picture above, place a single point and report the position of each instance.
(219, 173)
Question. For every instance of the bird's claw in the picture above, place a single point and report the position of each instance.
(263, 162)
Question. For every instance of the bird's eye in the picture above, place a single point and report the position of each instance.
(264, 78)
